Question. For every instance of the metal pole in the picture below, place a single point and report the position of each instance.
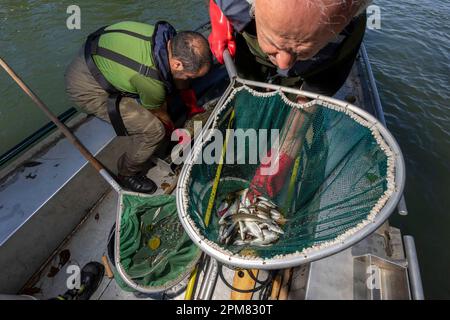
(209, 281)
(67, 133)
(205, 279)
(401, 207)
(229, 64)
(413, 268)
(213, 271)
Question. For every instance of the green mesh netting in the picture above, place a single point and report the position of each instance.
(167, 259)
(342, 176)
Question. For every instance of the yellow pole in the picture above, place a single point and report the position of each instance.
(291, 187)
(191, 284)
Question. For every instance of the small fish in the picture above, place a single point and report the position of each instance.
(243, 196)
(242, 230)
(227, 214)
(275, 214)
(241, 242)
(222, 208)
(248, 217)
(263, 215)
(262, 198)
(273, 227)
(227, 232)
(267, 204)
(222, 230)
(234, 206)
(246, 223)
(262, 207)
(231, 236)
(254, 230)
(244, 210)
(268, 238)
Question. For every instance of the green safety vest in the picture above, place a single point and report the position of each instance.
(132, 44)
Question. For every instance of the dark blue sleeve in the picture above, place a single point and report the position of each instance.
(237, 11)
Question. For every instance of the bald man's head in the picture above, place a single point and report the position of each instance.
(292, 30)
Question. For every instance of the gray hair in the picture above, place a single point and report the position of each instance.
(361, 5)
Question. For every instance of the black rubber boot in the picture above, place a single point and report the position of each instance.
(91, 276)
(138, 183)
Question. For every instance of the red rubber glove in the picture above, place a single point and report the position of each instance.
(169, 127)
(221, 36)
(190, 100)
(273, 183)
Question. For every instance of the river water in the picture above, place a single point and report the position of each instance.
(411, 62)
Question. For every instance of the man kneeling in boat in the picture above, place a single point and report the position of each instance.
(123, 75)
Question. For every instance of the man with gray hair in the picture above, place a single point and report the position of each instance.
(306, 43)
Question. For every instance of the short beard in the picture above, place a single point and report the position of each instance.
(177, 74)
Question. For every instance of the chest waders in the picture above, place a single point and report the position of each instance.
(115, 96)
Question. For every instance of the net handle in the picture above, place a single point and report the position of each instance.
(63, 128)
(229, 64)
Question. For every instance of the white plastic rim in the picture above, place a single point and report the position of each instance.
(291, 260)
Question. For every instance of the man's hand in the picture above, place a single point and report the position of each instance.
(221, 36)
(190, 100)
